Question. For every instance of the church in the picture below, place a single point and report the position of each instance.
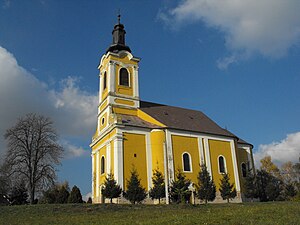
(131, 133)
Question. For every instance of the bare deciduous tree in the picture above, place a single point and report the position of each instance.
(33, 152)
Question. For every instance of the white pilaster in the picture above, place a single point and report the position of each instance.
(97, 173)
(166, 173)
(118, 159)
(171, 172)
(93, 172)
(207, 156)
(250, 164)
(149, 160)
(235, 166)
(108, 159)
(201, 151)
(136, 82)
(100, 88)
(111, 77)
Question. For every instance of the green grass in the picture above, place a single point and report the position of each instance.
(247, 213)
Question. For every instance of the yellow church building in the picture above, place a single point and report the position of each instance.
(132, 133)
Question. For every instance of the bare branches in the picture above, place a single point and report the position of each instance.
(33, 151)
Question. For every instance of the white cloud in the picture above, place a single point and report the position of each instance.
(86, 196)
(77, 109)
(283, 151)
(72, 109)
(222, 64)
(6, 4)
(73, 151)
(267, 27)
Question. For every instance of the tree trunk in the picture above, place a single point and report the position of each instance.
(111, 201)
(32, 195)
(158, 200)
(227, 200)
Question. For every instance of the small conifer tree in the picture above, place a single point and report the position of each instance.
(179, 189)
(250, 186)
(158, 190)
(110, 188)
(206, 188)
(135, 192)
(289, 191)
(75, 195)
(227, 190)
(63, 193)
(89, 201)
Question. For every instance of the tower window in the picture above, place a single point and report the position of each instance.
(102, 164)
(124, 77)
(186, 162)
(104, 81)
(222, 167)
(244, 170)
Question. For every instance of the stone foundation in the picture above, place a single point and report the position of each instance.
(218, 199)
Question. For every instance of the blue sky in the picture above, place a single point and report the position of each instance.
(237, 61)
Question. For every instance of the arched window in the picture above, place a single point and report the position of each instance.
(244, 170)
(102, 164)
(104, 81)
(222, 167)
(124, 77)
(186, 162)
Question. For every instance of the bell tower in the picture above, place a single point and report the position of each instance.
(118, 83)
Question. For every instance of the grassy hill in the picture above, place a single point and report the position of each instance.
(248, 213)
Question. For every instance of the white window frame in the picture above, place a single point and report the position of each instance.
(225, 164)
(190, 161)
(129, 80)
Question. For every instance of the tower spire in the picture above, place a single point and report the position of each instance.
(119, 16)
(118, 34)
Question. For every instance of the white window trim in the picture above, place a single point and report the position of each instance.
(225, 166)
(129, 80)
(190, 161)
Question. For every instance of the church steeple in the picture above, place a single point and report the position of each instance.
(118, 34)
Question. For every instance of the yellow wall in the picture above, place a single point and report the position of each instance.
(124, 102)
(119, 110)
(242, 157)
(102, 152)
(223, 148)
(135, 144)
(103, 125)
(103, 106)
(157, 145)
(181, 144)
(104, 93)
(104, 139)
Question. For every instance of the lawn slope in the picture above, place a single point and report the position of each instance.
(247, 213)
